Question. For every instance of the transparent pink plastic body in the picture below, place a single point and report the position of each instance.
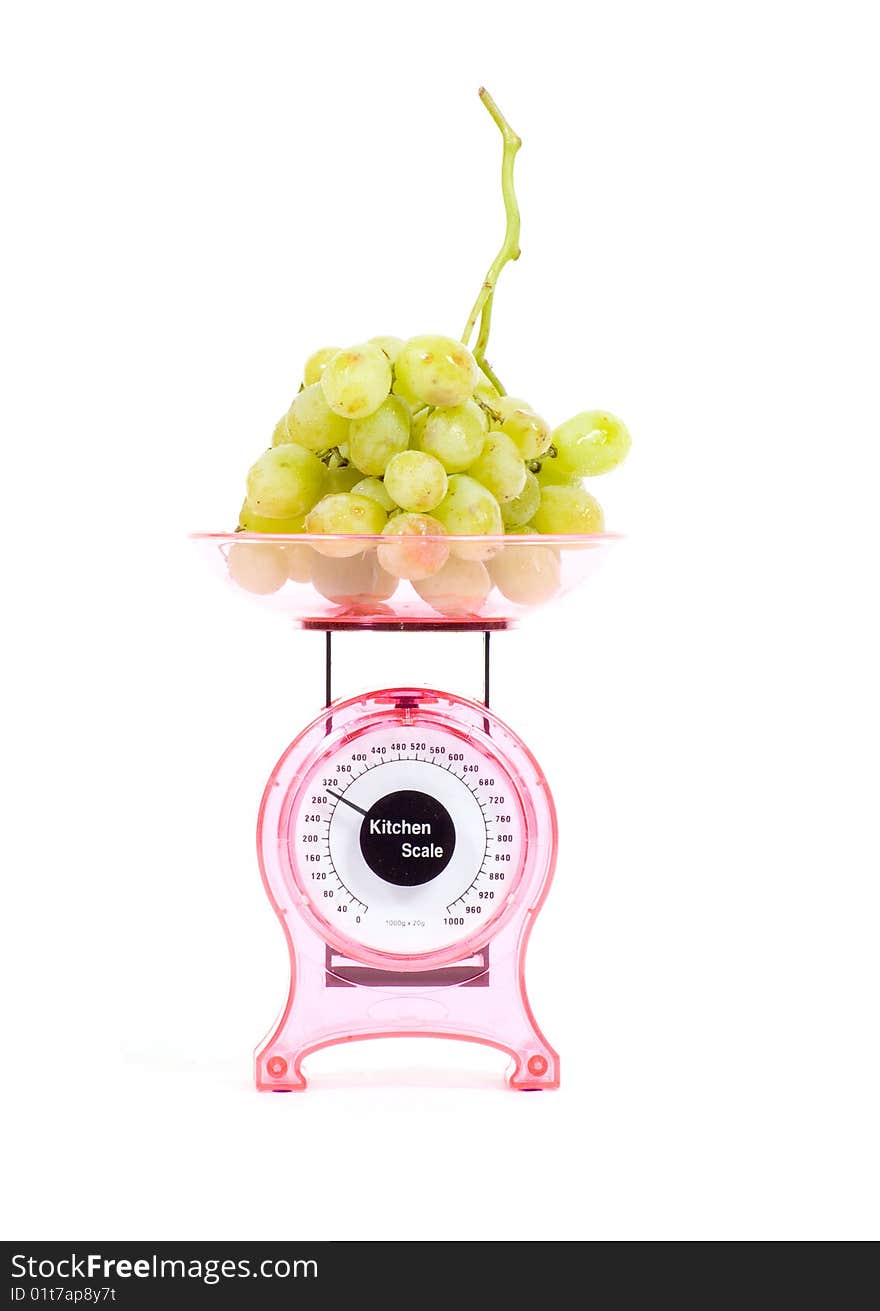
(339, 581)
(341, 991)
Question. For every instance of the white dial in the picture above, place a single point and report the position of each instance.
(407, 839)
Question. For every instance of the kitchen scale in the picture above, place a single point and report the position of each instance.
(407, 837)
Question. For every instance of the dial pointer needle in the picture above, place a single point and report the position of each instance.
(341, 798)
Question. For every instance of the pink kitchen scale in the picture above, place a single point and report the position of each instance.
(407, 836)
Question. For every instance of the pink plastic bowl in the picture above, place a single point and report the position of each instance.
(335, 581)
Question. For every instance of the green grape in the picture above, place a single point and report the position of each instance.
(279, 432)
(299, 557)
(454, 435)
(436, 370)
(527, 430)
(413, 550)
(259, 567)
(526, 574)
(591, 443)
(317, 363)
(311, 423)
(392, 346)
(250, 522)
(469, 509)
(415, 481)
(343, 512)
(357, 380)
(357, 580)
(500, 467)
(568, 508)
(341, 478)
(519, 511)
(375, 489)
(284, 482)
(459, 588)
(374, 439)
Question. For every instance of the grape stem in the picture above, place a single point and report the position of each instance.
(332, 457)
(510, 250)
(494, 415)
(536, 465)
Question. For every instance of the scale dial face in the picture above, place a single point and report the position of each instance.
(407, 836)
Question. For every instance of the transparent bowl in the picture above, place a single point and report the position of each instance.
(349, 581)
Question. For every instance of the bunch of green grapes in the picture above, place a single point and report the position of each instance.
(411, 441)
(416, 443)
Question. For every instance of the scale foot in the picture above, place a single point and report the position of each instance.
(535, 1070)
(277, 1073)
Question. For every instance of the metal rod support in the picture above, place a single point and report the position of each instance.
(486, 665)
(328, 667)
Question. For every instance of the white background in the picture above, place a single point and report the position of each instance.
(197, 195)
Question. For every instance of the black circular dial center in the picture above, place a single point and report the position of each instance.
(407, 838)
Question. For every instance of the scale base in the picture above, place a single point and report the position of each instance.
(489, 1008)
